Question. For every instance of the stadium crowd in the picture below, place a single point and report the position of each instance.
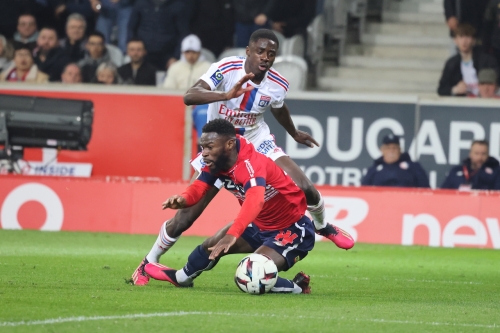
(128, 41)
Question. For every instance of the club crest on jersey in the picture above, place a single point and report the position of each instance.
(217, 77)
(264, 101)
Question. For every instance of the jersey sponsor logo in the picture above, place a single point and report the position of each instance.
(284, 238)
(266, 146)
(264, 101)
(232, 187)
(238, 118)
(249, 168)
(217, 77)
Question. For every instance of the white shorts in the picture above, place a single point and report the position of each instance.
(267, 146)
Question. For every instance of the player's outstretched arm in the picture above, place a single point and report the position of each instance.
(222, 246)
(201, 93)
(282, 115)
(188, 198)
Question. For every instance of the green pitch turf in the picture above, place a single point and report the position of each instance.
(75, 282)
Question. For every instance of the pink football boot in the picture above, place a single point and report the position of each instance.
(340, 237)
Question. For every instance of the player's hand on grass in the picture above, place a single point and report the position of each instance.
(237, 90)
(174, 202)
(305, 138)
(222, 246)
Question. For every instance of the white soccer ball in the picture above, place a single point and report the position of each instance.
(256, 274)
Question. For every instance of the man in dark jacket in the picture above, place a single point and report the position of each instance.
(395, 168)
(96, 55)
(291, 17)
(49, 57)
(161, 24)
(478, 172)
(74, 43)
(459, 77)
(137, 71)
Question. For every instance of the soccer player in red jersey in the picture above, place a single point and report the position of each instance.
(240, 90)
(271, 220)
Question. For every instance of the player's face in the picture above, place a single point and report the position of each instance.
(261, 55)
(391, 152)
(215, 152)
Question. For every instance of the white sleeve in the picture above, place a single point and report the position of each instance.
(278, 102)
(213, 77)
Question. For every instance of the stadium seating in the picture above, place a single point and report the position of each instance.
(208, 55)
(294, 69)
(115, 54)
(237, 51)
(281, 40)
(293, 46)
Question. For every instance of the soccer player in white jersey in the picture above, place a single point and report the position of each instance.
(240, 90)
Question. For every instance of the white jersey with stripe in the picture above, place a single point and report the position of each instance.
(246, 112)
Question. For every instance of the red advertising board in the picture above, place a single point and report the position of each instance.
(372, 215)
(133, 134)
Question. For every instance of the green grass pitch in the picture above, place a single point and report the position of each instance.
(75, 282)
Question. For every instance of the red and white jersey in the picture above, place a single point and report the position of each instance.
(284, 201)
(246, 112)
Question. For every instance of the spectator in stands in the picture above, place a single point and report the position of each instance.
(106, 73)
(6, 53)
(477, 172)
(96, 55)
(74, 43)
(184, 73)
(49, 57)
(71, 74)
(251, 15)
(161, 25)
(491, 35)
(115, 12)
(24, 68)
(291, 17)
(465, 12)
(488, 87)
(137, 71)
(214, 15)
(64, 8)
(459, 77)
(395, 168)
(26, 33)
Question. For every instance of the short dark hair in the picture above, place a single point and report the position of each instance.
(219, 126)
(136, 40)
(264, 33)
(98, 34)
(465, 29)
(481, 142)
(21, 46)
(48, 27)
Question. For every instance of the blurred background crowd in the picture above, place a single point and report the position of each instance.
(170, 43)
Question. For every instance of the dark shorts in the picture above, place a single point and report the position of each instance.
(293, 243)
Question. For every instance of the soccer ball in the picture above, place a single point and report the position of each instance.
(256, 274)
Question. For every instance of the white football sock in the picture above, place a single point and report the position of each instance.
(182, 277)
(318, 213)
(163, 243)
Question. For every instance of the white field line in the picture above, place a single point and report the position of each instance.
(404, 280)
(196, 313)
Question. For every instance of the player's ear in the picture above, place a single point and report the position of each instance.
(230, 143)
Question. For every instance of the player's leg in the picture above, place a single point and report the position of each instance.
(287, 247)
(170, 231)
(315, 204)
(198, 261)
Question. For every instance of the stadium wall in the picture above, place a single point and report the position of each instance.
(372, 215)
(142, 141)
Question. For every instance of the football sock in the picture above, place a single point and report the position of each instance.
(318, 213)
(163, 243)
(285, 286)
(197, 263)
